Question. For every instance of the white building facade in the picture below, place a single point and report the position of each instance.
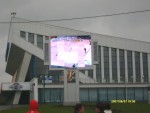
(120, 67)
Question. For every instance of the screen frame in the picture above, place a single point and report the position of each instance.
(62, 68)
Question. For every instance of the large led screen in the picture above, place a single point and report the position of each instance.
(70, 51)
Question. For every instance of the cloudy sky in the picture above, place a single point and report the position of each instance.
(132, 26)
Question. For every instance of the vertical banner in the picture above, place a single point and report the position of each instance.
(71, 76)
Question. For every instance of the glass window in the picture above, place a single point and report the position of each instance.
(46, 37)
(57, 76)
(90, 73)
(31, 37)
(130, 68)
(46, 55)
(122, 65)
(95, 51)
(56, 95)
(84, 95)
(40, 41)
(120, 94)
(114, 64)
(137, 67)
(93, 94)
(145, 93)
(130, 94)
(106, 64)
(103, 92)
(145, 67)
(139, 94)
(112, 94)
(98, 66)
(23, 34)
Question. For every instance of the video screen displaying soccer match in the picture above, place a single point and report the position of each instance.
(70, 51)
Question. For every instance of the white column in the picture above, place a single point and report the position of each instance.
(22, 75)
(71, 90)
(86, 79)
(126, 66)
(133, 61)
(94, 72)
(86, 72)
(102, 63)
(141, 67)
(148, 57)
(110, 66)
(118, 66)
(27, 36)
(34, 89)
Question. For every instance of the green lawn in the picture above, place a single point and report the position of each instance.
(89, 108)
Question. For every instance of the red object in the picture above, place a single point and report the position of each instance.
(33, 107)
(52, 36)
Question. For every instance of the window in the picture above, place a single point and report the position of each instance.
(46, 53)
(98, 66)
(40, 41)
(23, 34)
(31, 37)
(90, 73)
(122, 65)
(46, 37)
(130, 68)
(145, 67)
(106, 64)
(95, 48)
(137, 67)
(114, 64)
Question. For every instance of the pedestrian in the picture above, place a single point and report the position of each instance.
(33, 107)
(99, 108)
(79, 108)
(107, 108)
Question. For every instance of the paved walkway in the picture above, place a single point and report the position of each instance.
(4, 107)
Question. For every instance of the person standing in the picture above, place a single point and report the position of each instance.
(79, 108)
(99, 108)
(33, 107)
(107, 108)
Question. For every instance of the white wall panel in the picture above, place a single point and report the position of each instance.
(110, 41)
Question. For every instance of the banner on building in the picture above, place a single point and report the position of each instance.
(23, 86)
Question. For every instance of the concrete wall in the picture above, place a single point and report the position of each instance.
(49, 30)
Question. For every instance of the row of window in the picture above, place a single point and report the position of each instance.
(122, 68)
(95, 94)
(31, 38)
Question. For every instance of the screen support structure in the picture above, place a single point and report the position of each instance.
(71, 86)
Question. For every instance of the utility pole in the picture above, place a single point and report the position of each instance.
(13, 14)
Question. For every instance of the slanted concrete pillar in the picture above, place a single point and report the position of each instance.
(21, 75)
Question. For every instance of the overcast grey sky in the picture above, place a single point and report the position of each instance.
(132, 26)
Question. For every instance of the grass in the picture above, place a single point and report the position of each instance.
(89, 108)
